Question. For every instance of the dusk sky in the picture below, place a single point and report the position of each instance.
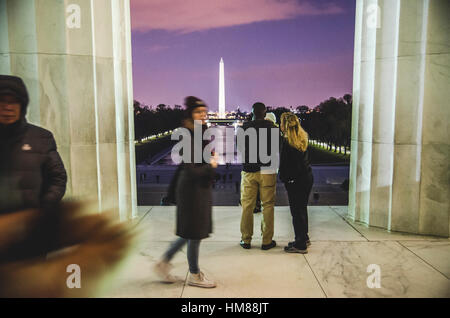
(279, 52)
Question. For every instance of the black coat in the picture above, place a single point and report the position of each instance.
(294, 164)
(32, 174)
(257, 125)
(194, 199)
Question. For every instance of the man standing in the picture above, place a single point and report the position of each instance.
(256, 176)
(32, 174)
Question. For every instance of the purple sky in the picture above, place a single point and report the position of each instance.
(279, 52)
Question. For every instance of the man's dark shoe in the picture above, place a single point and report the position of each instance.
(308, 243)
(247, 246)
(269, 246)
(293, 249)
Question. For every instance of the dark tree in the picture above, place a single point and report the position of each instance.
(302, 109)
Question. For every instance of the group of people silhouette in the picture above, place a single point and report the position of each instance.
(33, 181)
(191, 189)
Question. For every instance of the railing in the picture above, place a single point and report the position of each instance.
(153, 137)
(326, 146)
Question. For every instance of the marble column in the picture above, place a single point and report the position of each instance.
(399, 173)
(75, 58)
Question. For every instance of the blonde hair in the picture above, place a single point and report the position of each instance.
(296, 136)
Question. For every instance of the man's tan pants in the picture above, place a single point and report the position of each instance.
(250, 183)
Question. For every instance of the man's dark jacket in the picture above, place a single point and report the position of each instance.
(257, 124)
(32, 174)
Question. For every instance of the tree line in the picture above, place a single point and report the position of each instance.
(148, 122)
(329, 122)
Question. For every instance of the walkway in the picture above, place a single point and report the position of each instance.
(336, 265)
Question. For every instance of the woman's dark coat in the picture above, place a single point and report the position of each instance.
(194, 199)
(294, 164)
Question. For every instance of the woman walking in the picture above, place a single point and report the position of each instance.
(295, 171)
(194, 203)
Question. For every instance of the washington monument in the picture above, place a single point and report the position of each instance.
(221, 89)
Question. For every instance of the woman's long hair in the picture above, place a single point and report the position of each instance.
(296, 136)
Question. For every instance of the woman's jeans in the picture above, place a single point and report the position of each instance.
(298, 195)
(192, 252)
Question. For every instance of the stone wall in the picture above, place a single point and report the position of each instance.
(399, 175)
(75, 58)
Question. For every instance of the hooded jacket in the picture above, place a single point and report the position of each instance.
(32, 174)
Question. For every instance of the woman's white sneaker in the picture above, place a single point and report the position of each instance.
(200, 280)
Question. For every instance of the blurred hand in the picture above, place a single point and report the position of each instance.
(14, 227)
(96, 242)
(213, 161)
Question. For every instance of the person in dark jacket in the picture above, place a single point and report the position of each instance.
(170, 198)
(295, 171)
(255, 178)
(194, 202)
(32, 174)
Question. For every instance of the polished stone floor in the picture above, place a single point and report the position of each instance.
(336, 264)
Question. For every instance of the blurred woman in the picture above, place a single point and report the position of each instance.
(295, 171)
(194, 202)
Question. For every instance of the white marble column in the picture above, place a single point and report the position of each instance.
(399, 176)
(79, 79)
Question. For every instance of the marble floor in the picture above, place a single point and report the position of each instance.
(336, 264)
